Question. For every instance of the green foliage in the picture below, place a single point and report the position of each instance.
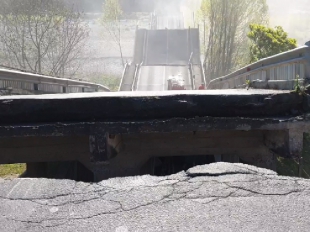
(290, 167)
(224, 26)
(300, 89)
(111, 11)
(204, 11)
(297, 87)
(268, 41)
(248, 84)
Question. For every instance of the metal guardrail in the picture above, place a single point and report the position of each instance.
(11, 79)
(123, 76)
(203, 77)
(281, 67)
(191, 76)
(136, 76)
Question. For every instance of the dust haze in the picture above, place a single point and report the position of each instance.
(293, 16)
(187, 8)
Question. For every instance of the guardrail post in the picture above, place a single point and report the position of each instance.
(36, 87)
(123, 76)
(135, 79)
(307, 56)
(190, 67)
(145, 45)
(189, 48)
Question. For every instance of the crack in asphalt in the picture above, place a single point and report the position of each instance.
(175, 194)
(265, 194)
(102, 192)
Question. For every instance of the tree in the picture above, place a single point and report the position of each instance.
(42, 36)
(225, 25)
(203, 15)
(267, 41)
(111, 20)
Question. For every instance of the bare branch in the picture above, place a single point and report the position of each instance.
(41, 35)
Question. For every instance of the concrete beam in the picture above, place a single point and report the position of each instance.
(43, 149)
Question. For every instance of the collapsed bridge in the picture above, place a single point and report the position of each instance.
(161, 53)
(124, 134)
(143, 129)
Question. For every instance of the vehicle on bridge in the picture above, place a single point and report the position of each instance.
(202, 87)
(176, 82)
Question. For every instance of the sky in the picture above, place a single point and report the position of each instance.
(293, 16)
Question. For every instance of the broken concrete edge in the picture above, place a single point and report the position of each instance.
(208, 170)
(151, 94)
(148, 203)
(154, 126)
(153, 106)
(222, 168)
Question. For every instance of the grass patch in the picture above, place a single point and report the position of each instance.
(110, 81)
(287, 167)
(12, 169)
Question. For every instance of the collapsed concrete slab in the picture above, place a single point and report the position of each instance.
(133, 133)
(134, 106)
(216, 197)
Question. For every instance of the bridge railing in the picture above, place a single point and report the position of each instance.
(277, 72)
(123, 76)
(34, 83)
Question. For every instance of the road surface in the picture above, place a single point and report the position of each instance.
(163, 53)
(216, 197)
(155, 78)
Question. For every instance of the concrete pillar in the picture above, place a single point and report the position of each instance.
(296, 139)
(98, 147)
(35, 87)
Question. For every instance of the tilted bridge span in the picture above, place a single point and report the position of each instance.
(127, 133)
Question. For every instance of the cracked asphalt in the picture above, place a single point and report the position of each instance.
(215, 197)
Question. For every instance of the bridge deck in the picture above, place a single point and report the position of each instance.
(135, 106)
